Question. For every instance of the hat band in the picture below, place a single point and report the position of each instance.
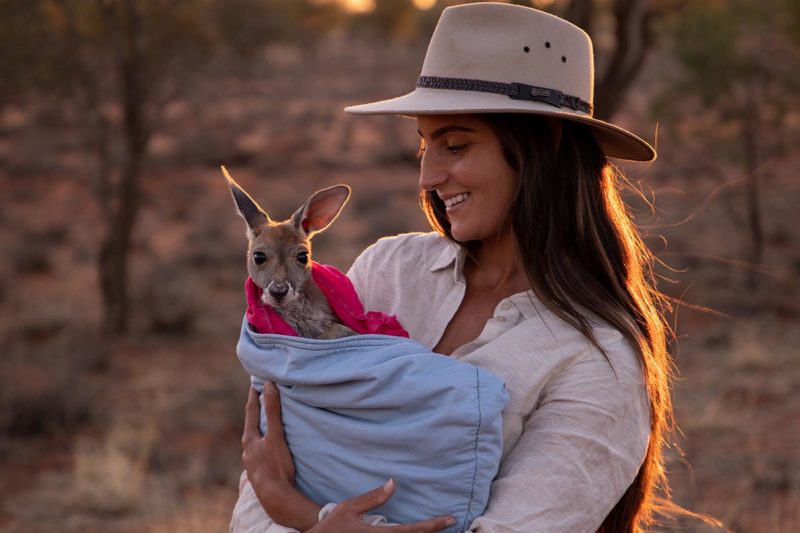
(516, 91)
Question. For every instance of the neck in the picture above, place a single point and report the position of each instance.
(495, 264)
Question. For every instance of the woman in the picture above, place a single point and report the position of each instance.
(535, 272)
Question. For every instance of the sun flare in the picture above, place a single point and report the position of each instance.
(358, 6)
(424, 4)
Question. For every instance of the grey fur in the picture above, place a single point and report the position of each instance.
(303, 307)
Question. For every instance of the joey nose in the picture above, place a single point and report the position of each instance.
(278, 291)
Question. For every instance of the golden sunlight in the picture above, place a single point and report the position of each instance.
(424, 4)
(358, 6)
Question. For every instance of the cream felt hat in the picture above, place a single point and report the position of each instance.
(503, 58)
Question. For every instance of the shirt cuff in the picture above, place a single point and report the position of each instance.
(371, 519)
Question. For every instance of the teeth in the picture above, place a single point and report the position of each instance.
(457, 199)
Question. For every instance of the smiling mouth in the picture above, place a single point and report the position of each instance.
(457, 199)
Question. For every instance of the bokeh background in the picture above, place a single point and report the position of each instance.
(121, 399)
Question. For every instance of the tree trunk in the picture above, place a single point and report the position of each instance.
(580, 13)
(115, 248)
(634, 38)
(750, 132)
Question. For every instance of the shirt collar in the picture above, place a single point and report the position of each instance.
(446, 257)
(527, 303)
(451, 256)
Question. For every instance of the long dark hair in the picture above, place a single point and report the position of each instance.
(580, 248)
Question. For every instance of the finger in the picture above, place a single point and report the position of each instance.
(371, 499)
(251, 417)
(272, 406)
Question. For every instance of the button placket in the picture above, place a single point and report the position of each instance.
(504, 311)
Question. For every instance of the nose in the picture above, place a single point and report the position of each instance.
(278, 290)
(431, 173)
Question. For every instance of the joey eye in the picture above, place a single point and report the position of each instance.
(302, 258)
(259, 257)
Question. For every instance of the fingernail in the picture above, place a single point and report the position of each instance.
(388, 485)
(450, 522)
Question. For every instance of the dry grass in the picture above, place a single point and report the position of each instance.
(738, 406)
(110, 472)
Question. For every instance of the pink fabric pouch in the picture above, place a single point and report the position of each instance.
(341, 296)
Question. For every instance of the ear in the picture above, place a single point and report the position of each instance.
(321, 209)
(248, 209)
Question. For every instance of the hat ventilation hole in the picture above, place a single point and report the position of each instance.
(563, 59)
(526, 49)
(547, 44)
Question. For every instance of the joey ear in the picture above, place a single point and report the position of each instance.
(248, 209)
(321, 209)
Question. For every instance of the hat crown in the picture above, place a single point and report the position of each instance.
(511, 44)
(503, 58)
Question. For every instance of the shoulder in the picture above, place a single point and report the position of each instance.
(547, 359)
(614, 360)
(609, 378)
(407, 242)
(399, 275)
(613, 356)
(394, 252)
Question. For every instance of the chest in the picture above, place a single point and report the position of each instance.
(475, 310)
(309, 317)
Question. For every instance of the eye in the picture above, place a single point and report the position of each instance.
(302, 258)
(456, 149)
(259, 257)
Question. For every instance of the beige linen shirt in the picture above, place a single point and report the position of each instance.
(575, 430)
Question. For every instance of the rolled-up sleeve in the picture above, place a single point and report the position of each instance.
(579, 451)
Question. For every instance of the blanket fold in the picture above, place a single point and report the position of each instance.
(362, 409)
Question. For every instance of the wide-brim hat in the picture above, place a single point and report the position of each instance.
(503, 58)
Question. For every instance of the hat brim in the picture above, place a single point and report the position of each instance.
(615, 141)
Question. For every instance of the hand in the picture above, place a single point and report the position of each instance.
(269, 464)
(347, 516)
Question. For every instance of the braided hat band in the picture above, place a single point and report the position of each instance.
(517, 91)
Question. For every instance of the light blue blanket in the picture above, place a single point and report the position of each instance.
(362, 409)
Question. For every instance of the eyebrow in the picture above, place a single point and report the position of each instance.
(447, 129)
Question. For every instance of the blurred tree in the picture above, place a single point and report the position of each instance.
(246, 25)
(633, 39)
(22, 48)
(739, 83)
(119, 62)
(395, 19)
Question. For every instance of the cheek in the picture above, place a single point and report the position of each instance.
(504, 200)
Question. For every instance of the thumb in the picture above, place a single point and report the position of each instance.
(372, 499)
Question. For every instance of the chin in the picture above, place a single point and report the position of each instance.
(460, 236)
(470, 235)
(463, 233)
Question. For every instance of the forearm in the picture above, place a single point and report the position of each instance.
(287, 506)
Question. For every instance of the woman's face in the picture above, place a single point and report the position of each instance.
(462, 161)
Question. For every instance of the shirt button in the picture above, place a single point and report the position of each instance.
(506, 306)
(501, 318)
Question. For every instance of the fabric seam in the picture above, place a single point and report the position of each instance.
(475, 450)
